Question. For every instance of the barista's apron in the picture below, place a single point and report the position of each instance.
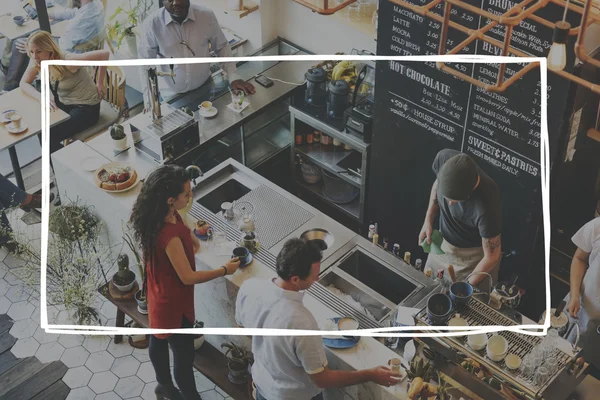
(464, 261)
(589, 315)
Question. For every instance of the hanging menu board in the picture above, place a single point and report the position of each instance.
(420, 110)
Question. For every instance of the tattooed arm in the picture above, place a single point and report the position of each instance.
(432, 211)
(492, 251)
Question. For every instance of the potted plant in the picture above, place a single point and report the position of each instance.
(238, 360)
(140, 295)
(124, 278)
(117, 133)
(122, 24)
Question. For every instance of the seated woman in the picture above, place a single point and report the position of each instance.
(11, 196)
(73, 88)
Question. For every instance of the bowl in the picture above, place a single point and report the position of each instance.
(478, 341)
(439, 307)
(19, 20)
(348, 324)
(461, 292)
(497, 347)
(320, 237)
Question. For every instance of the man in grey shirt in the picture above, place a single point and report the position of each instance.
(468, 202)
(292, 367)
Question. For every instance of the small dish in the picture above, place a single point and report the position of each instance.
(512, 361)
(14, 130)
(211, 112)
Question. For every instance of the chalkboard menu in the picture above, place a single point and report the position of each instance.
(420, 110)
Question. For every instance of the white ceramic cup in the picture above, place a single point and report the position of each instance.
(497, 347)
(16, 120)
(478, 341)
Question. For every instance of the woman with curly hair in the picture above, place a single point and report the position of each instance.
(168, 248)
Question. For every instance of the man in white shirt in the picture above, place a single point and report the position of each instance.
(180, 30)
(293, 367)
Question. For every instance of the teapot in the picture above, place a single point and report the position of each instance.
(246, 224)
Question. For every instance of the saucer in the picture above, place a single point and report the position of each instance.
(4, 119)
(11, 128)
(340, 342)
(202, 237)
(248, 261)
(244, 105)
(211, 112)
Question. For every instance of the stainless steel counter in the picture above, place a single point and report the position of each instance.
(279, 216)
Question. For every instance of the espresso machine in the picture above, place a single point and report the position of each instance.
(448, 354)
(165, 138)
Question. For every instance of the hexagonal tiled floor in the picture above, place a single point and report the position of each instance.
(103, 382)
(4, 286)
(141, 355)
(4, 304)
(146, 372)
(148, 391)
(82, 393)
(108, 396)
(25, 347)
(212, 395)
(129, 387)
(203, 383)
(23, 328)
(100, 362)
(68, 341)
(75, 356)
(3, 269)
(18, 293)
(42, 337)
(20, 310)
(95, 343)
(125, 366)
(13, 261)
(119, 350)
(49, 352)
(77, 377)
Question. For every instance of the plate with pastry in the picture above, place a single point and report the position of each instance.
(116, 177)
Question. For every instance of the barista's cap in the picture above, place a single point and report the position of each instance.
(457, 177)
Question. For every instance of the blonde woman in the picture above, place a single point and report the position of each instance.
(73, 88)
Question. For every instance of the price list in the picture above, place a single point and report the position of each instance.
(504, 129)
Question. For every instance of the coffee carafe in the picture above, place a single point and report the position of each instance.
(337, 99)
(316, 87)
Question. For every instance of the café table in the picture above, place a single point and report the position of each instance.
(11, 30)
(30, 110)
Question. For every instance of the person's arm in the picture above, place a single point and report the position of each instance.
(179, 260)
(222, 49)
(329, 378)
(97, 55)
(26, 81)
(579, 267)
(195, 241)
(432, 211)
(65, 13)
(492, 252)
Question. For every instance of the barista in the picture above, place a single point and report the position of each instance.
(181, 30)
(583, 300)
(468, 202)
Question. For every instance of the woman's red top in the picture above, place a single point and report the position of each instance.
(169, 300)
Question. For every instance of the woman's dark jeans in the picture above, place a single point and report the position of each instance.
(183, 361)
(82, 117)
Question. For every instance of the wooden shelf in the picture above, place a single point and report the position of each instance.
(221, 5)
